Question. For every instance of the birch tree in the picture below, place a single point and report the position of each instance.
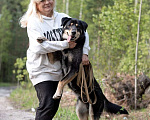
(136, 1)
(67, 7)
(136, 54)
(64, 5)
(81, 7)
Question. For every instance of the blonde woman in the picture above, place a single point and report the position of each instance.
(41, 20)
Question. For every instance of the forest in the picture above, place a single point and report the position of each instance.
(112, 30)
(112, 27)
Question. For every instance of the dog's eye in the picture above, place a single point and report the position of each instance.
(78, 26)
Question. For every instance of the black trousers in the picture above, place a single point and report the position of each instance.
(47, 105)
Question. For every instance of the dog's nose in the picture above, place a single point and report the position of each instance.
(73, 33)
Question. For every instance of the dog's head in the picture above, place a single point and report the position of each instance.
(73, 28)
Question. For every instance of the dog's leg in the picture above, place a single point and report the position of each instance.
(41, 39)
(91, 114)
(61, 85)
(64, 66)
(82, 110)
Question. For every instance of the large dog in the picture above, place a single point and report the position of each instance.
(96, 101)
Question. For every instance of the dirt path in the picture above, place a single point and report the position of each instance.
(7, 111)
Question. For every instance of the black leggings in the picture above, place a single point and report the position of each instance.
(47, 105)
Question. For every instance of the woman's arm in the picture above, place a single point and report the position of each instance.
(45, 47)
(86, 48)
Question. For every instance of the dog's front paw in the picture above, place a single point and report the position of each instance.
(41, 39)
(57, 95)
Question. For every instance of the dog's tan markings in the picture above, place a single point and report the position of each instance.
(77, 35)
(82, 111)
(51, 58)
(61, 85)
(69, 32)
(76, 24)
(41, 39)
(70, 57)
(50, 55)
(71, 24)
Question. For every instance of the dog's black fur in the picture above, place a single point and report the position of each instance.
(72, 59)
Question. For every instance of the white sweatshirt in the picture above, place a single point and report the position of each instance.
(38, 65)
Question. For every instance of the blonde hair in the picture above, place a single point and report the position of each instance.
(32, 11)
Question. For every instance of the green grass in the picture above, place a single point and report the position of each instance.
(25, 98)
(2, 84)
(66, 113)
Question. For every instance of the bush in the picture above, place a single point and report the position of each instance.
(21, 73)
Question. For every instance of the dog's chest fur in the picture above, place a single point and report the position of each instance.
(73, 57)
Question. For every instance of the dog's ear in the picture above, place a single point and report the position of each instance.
(64, 20)
(84, 25)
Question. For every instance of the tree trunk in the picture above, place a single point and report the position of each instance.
(55, 5)
(64, 5)
(136, 1)
(98, 50)
(149, 49)
(81, 7)
(67, 7)
(136, 54)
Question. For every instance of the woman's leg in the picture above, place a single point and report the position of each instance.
(47, 105)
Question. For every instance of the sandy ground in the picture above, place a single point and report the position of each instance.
(7, 111)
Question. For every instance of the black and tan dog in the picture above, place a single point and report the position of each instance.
(75, 29)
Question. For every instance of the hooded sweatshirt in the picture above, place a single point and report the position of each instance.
(38, 65)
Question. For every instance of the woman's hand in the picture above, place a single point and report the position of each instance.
(85, 59)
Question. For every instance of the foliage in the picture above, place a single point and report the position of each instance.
(13, 39)
(5, 43)
(74, 7)
(1, 4)
(112, 27)
(118, 29)
(5, 33)
(24, 4)
(21, 73)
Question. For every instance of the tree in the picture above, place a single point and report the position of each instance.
(136, 1)
(67, 7)
(5, 43)
(13, 38)
(81, 8)
(91, 9)
(136, 54)
(117, 32)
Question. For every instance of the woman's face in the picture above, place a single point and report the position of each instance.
(45, 7)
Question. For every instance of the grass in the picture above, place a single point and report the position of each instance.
(66, 113)
(2, 84)
(24, 98)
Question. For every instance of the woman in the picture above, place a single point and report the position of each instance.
(41, 20)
